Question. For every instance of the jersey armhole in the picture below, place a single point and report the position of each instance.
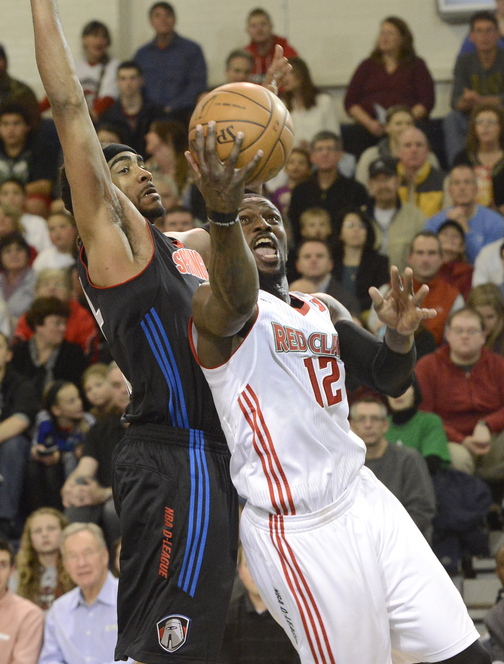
(193, 336)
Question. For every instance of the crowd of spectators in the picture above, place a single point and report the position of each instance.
(352, 209)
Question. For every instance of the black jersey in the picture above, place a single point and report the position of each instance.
(145, 321)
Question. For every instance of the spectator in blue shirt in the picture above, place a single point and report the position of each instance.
(81, 625)
(173, 67)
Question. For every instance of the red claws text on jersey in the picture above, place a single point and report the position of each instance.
(290, 340)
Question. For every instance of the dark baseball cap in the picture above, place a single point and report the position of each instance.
(382, 166)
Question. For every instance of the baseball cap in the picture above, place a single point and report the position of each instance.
(382, 166)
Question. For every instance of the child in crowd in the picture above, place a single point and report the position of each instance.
(98, 390)
(56, 443)
(41, 576)
(315, 224)
(63, 234)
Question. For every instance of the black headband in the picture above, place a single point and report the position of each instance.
(113, 149)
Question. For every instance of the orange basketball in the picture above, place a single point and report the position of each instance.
(255, 111)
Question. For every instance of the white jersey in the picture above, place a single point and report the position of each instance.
(282, 404)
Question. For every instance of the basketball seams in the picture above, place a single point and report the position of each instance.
(278, 141)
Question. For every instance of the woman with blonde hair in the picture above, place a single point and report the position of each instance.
(40, 573)
(487, 300)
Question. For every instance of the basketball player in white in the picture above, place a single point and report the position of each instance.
(336, 558)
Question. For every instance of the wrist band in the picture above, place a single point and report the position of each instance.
(223, 218)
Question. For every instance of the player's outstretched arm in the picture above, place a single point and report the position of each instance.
(222, 306)
(400, 310)
(97, 203)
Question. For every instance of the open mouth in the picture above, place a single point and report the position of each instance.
(265, 248)
(149, 191)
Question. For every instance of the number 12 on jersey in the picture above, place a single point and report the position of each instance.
(321, 383)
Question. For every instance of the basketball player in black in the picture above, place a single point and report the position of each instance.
(171, 482)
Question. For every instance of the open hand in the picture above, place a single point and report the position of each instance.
(400, 309)
(221, 184)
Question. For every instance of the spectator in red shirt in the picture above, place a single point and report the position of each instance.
(81, 327)
(263, 42)
(463, 383)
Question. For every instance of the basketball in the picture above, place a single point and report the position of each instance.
(259, 114)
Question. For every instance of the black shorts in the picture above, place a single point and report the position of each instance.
(179, 523)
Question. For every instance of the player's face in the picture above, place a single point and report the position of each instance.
(413, 150)
(425, 258)
(369, 423)
(314, 261)
(238, 70)
(403, 402)
(45, 532)
(6, 569)
(13, 129)
(466, 337)
(129, 82)
(259, 29)
(85, 560)
(12, 194)
(97, 390)
(134, 180)
(265, 234)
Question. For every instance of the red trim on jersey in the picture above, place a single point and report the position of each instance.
(300, 589)
(265, 450)
(305, 308)
(195, 352)
(81, 258)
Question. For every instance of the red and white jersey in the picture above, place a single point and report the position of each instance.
(282, 404)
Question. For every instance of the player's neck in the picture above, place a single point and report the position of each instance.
(277, 286)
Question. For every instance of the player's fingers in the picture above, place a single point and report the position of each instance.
(376, 297)
(193, 164)
(407, 281)
(424, 314)
(419, 296)
(395, 279)
(230, 163)
(209, 144)
(198, 145)
(251, 166)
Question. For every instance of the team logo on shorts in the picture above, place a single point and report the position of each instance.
(172, 632)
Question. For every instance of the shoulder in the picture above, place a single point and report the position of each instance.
(186, 43)
(24, 607)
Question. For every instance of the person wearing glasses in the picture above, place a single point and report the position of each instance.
(463, 383)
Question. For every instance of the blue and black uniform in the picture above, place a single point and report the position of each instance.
(176, 503)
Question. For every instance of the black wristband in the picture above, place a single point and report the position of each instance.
(222, 218)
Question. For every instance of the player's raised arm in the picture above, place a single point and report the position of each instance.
(97, 203)
(226, 303)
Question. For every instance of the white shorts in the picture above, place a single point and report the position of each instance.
(356, 580)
